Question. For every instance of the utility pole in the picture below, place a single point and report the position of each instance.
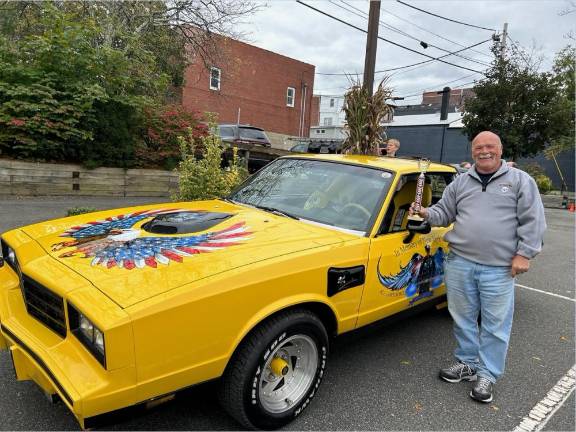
(503, 45)
(371, 44)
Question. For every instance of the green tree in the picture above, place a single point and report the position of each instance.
(565, 108)
(516, 102)
(172, 31)
(76, 77)
(60, 93)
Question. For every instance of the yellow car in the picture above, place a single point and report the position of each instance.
(125, 307)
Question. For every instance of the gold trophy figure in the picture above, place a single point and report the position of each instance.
(423, 165)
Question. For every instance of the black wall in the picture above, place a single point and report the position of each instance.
(426, 141)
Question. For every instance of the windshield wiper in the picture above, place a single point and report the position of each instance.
(277, 212)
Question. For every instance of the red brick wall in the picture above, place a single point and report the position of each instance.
(457, 96)
(315, 113)
(254, 80)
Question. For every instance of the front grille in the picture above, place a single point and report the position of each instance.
(44, 305)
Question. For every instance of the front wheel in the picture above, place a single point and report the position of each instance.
(276, 371)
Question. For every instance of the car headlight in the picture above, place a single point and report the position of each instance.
(9, 256)
(87, 333)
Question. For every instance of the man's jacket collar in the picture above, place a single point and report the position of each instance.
(504, 168)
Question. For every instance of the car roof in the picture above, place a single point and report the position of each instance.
(398, 164)
(242, 126)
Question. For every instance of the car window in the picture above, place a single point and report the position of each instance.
(250, 133)
(438, 182)
(300, 148)
(340, 195)
(226, 132)
(396, 217)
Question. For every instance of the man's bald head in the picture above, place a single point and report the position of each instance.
(487, 136)
(487, 152)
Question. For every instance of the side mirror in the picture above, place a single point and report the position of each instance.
(415, 227)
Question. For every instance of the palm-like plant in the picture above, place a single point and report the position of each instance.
(364, 115)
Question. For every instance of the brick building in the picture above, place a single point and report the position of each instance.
(457, 98)
(257, 86)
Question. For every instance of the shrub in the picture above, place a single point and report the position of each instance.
(533, 169)
(201, 173)
(163, 127)
(79, 210)
(544, 183)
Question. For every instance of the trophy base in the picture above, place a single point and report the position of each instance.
(415, 218)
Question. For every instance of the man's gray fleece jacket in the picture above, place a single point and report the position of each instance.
(492, 225)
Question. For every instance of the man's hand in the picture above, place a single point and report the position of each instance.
(520, 265)
(423, 211)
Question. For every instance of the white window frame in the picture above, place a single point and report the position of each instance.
(290, 97)
(327, 121)
(332, 102)
(213, 69)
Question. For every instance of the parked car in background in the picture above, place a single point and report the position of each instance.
(459, 168)
(252, 143)
(245, 134)
(318, 146)
(125, 307)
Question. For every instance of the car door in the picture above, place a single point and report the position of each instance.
(401, 274)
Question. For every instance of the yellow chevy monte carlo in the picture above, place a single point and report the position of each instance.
(125, 307)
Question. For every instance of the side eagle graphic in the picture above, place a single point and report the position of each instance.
(113, 242)
(419, 276)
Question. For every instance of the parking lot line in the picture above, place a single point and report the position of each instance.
(552, 402)
(546, 292)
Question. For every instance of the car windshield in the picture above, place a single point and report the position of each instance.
(336, 194)
(251, 133)
(226, 132)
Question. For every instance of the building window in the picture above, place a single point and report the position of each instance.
(331, 103)
(215, 78)
(290, 93)
(327, 121)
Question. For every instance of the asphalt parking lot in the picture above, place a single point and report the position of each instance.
(380, 378)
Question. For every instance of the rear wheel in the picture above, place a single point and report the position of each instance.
(276, 371)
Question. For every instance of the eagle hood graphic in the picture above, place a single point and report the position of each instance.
(114, 242)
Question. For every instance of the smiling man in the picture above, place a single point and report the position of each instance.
(499, 225)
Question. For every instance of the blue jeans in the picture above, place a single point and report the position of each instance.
(474, 289)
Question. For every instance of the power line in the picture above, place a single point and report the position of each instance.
(432, 33)
(415, 96)
(413, 64)
(387, 40)
(440, 85)
(403, 33)
(447, 19)
(518, 50)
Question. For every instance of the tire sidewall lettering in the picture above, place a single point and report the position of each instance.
(315, 385)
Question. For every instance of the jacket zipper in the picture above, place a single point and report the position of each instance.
(489, 181)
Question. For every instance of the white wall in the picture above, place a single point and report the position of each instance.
(328, 132)
(331, 108)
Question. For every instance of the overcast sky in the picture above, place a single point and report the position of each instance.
(289, 28)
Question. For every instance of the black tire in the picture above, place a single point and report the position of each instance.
(240, 387)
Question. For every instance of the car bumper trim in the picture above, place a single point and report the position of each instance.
(24, 367)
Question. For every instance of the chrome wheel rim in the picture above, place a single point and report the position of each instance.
(288, 374)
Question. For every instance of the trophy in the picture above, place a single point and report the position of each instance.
(423, 165)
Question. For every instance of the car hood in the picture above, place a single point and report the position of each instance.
(118, 254)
